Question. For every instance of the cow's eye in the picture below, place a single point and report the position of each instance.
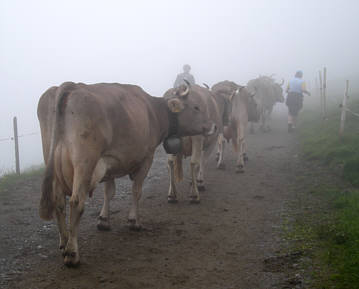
(196, 108)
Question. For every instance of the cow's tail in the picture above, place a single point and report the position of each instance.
(178, 168)
(47, 201)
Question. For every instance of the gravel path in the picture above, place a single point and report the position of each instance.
(227, 241)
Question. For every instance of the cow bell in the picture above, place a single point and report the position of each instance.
(172, 145)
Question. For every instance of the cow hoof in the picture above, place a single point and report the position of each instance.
(240, 169)
(103, 224)
(221, 166)
(62, 249)
(172, 200)
(194, 200)
(62, 245)
(201, 188)
(133, 226)
(217, 157)
(71, 259)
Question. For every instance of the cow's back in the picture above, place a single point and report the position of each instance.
(116, 122)
(46, 115)
(119, 119)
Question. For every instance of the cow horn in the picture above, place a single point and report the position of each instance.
(185, 92)
(281, 84)
(206, 85)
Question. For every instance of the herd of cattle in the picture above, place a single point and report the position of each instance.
(96, 133)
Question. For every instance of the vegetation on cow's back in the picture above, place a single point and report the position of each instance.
(327, 224)
(11, 178)
(320, 141)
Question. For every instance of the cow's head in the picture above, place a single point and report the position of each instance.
(253, 111)
(248, 98)
(278, 88)
(252, 87)
(190, 111)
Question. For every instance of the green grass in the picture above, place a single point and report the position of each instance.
(330, 230)
(320, 141)
(337, 240)
(11, 178)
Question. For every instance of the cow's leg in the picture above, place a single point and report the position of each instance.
(241, 149)
(60, 212)
(103, 223)
(219, 147)
(81, 187)
(264, 121)
(220, 152)
(200, 177)
(172, 191)
(203, 163)
(245, 156)
(197, 146)
(138, 178)
(268, 114)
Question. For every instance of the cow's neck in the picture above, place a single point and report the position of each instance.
(163, 116)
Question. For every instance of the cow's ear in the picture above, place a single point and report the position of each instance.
(175, 105)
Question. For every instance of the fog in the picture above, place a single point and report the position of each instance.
(44, 43)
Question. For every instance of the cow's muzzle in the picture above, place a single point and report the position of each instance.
(211, 131)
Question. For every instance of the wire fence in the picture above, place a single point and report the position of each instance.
(27, 145)
(351, 112)
(322, 90)
(11, 138)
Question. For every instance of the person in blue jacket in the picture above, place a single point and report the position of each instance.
(296, 88)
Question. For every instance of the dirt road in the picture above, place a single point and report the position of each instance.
(224, 242)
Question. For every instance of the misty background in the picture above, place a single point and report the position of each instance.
(44, 43)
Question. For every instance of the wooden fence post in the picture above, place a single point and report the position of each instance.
(325, 92)
(321, 94)
(16, 140)
(316, 88)
(344, 107)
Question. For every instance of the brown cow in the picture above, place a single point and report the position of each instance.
(198, 147)
(96, 133)
(267, 94)
(238, 107)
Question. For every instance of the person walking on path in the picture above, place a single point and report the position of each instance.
(296, 88)
(185, 75)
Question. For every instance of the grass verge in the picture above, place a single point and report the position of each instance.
(327, 226)
(12, 178)
(320, 141)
